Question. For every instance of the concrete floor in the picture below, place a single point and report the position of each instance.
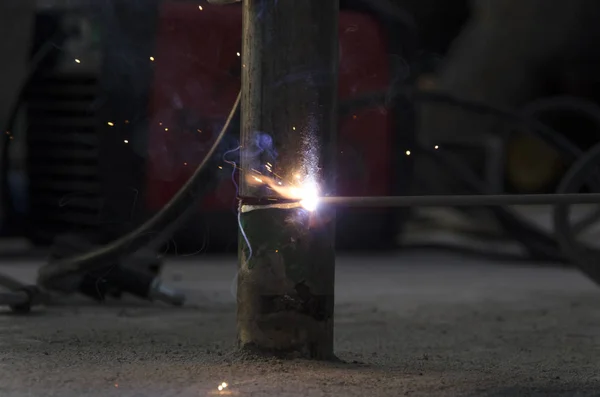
(417, 325)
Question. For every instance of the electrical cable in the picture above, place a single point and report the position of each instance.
(188, 195)
(564, 103)
(51, 275)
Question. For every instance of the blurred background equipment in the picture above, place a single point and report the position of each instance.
(83, 177)
(119, 104)
(536, 63)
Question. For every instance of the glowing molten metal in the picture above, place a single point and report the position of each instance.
(306, 192)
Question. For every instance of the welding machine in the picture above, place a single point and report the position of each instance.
(131, 105)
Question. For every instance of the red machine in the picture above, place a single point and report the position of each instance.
(197, 77)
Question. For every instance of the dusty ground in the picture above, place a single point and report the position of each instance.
(418, 325)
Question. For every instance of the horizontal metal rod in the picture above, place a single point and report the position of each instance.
(462, 200)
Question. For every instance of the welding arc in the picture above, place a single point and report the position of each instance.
(471, 200)
(141, 236)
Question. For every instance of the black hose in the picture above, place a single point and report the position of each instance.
(579, 106)
(187, 196)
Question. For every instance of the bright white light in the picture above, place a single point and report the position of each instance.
(222, 386)
(309, 197)
(306, 192)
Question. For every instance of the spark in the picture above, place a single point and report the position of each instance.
(436, 147)
(220, 167)
(200, 8)
(166, 129)
(126, 121)
(184, 163)
(126, 141)
(77, 60)
(408, 152)
(152, 59)
(310, 197)
(222, 386)
(294, 128)
(111, 124)
(306, 192)
(238, 54)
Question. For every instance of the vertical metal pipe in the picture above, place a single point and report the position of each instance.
(289, 119)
